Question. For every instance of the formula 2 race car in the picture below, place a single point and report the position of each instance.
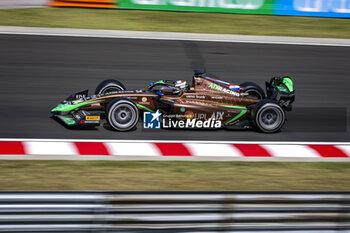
(207, 103)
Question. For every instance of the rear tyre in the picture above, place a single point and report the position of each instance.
(122, 114)
(109, 85)
(268, 116)
(253, 90)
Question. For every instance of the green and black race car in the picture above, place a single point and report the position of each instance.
(206, 103)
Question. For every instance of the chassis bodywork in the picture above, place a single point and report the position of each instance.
(207, 98)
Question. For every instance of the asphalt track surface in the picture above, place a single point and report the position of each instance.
(37, 72)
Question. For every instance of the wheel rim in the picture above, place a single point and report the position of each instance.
(123, 116)
(270, 118)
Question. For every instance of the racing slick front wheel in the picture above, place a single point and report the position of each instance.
(253, 90)
(269, 117)
(109, 85)
(122, 114)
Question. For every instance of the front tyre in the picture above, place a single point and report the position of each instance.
(122, 114)
(109, 85)
(269, 117)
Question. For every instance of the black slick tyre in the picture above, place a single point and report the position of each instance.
(268, 116)
(109, 85)
(253, 90)
(122, 114)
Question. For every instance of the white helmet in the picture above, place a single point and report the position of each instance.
(181, 84)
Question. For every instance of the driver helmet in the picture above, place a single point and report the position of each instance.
(181, 84)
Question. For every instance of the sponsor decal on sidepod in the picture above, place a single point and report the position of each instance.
(152, 120)
(219, 88)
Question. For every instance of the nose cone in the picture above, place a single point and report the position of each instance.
(59, 108)
(55, 109)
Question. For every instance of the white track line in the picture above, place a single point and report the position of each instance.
(38, 31)
(137, 149)
(169, 158)
(290, 151)
(50, 148)
(220, 150)
(175, 141)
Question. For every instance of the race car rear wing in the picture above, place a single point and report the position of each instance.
(282, 90)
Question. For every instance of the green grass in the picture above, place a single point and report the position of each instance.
(177, 22)
(176, 175)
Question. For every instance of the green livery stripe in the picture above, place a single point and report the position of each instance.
(156, 83)
(232, 106)
(141, 106)
(289, 83)
(243, 111)
(68, 121)
(236, 117)
(159, 82)
(69, 107)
